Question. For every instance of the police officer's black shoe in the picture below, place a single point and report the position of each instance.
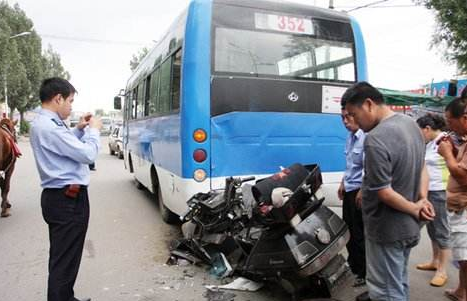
(363, 297)
(359, 281)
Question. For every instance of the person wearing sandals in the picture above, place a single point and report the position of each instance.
(438, 230)
(454, 151)
(349, 192)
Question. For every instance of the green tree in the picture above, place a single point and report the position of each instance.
(26, 94)
(451, 32)
(22, 64)
(52, 65)
(14, 74)
(137, 58)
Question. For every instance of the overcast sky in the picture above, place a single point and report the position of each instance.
(96, 39)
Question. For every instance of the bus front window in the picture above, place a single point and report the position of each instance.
(257, 53)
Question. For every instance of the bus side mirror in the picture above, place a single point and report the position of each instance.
(117, 103)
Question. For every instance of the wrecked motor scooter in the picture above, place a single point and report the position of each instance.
(276, 230)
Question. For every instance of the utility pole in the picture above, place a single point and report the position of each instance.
(5, 91)
(331, 4)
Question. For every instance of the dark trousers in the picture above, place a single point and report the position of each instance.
(356, 246)
(68, 222)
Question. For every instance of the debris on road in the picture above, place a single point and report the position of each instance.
(218, 295)
(240, 284)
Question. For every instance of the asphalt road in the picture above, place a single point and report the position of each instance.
(126, 246)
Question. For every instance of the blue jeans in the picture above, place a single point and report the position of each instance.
(386, 266)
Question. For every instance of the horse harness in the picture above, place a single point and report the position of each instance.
(14, 150)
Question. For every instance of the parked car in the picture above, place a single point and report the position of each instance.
(74, 122)
(115, 123)
(106, 126)
(116, 142)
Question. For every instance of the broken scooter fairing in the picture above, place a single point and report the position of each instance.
(276, 230)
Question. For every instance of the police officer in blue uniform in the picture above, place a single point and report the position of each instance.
(62, 157)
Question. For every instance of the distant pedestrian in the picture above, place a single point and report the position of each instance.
(349, 192)
(62, 157)
(455, 154)
(438, 229)
(394, 191)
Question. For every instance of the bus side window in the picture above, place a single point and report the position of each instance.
(133, 103)
(126, 107)
(140, 101)
(175, 89)
(154, 92)
(164, 96)
(147, 85)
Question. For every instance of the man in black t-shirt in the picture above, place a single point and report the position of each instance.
(393, 190)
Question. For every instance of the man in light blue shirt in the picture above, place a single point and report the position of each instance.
(349, 192)
(62, 157)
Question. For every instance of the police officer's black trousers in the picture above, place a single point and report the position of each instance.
(68, 219)
(352, 216)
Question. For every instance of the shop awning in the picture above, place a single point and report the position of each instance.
(402, 98)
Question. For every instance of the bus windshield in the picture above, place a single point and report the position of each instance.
(282, 55)
(286, 42)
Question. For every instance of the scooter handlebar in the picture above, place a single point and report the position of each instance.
(243, 180)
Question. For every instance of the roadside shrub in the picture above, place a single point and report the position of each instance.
(24, 127)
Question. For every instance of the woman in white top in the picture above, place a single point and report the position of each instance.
(438, 230)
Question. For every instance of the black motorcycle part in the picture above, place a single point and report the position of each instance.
(299, 247)
(290, 177)
(320, 285)
(192, 248)
(300, 202)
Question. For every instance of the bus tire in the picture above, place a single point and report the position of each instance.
(138, 184)
(167, 216)
(111, 151)
(130, 163)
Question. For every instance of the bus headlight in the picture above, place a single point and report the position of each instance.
(199, 175)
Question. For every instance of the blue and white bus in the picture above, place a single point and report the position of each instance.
(237, 88)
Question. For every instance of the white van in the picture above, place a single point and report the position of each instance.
(106, 126)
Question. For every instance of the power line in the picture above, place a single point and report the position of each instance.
(384, 6)
(90, 40)
(367, 5)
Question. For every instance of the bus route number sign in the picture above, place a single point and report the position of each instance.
(297, 25)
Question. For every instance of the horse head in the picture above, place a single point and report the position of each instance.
(9, 126)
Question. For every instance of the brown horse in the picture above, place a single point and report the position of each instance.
(8, 153)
